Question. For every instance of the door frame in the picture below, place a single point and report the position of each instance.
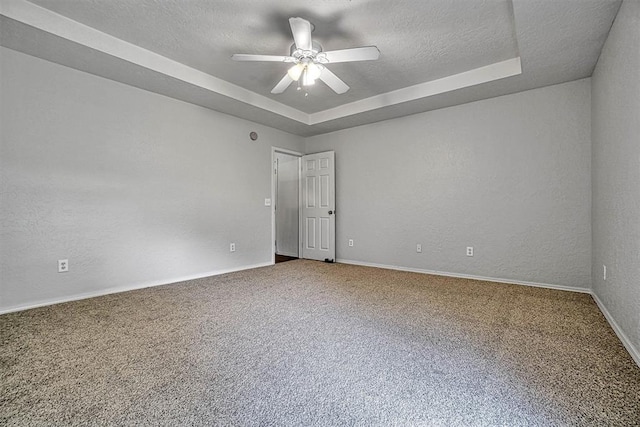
(299, 155)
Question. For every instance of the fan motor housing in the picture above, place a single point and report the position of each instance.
(299, 53)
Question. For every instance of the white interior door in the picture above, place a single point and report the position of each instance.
(318, 206)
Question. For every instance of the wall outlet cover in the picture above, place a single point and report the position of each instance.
(63, 265)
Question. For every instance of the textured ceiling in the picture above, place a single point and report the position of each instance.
(420, 41)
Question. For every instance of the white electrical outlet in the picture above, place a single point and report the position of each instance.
(350, 243)
(469, 250)
(63, 265)
(419, 248)
(604, 272)
(267, 202)
(232, 247)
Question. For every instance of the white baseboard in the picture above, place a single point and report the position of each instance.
(634, 352)
(116, 290)
(467, 276)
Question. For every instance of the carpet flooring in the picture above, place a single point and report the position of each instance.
(308, 343)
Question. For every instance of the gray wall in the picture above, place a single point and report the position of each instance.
(616, 172)
(509, 176)
(132, 187)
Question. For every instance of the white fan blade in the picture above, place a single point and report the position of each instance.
(267, 58)
(368, 53)
(283, 84)
(301, 30)
(333, 81)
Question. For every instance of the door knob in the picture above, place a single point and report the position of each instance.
(330, 212)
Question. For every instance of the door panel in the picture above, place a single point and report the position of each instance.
(311, 189)
(325, 230)
(311, 234)
(319, 206)
(324, 191)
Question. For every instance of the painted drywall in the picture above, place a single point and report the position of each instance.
(509, 176)
(616, 173)
(287, 204)
(132, 187)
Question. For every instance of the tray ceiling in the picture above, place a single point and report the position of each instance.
(434, 53)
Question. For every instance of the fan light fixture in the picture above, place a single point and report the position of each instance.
(309, 72)
(295, 72)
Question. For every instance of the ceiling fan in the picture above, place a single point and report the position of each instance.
(310, 60)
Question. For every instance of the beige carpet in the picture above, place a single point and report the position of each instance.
(308, 343)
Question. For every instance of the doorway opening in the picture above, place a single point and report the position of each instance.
(286, 204)
(284, 258)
